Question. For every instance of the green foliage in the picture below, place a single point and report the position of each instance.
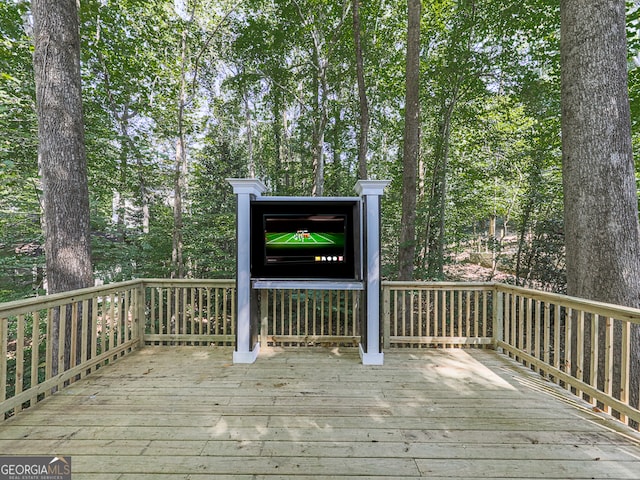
(21, 260)
(210, 231)
(490, 122)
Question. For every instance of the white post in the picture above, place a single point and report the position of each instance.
(244, 188)
(371, 191)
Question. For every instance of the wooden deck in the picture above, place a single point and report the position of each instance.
(188, 413)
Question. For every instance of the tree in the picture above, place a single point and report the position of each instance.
(61, 149)
(600, 198)
(411, 149)
(363, 134)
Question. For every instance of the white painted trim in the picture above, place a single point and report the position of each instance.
(370, 358)
(247, 186)
(308, 284)
(247, 357)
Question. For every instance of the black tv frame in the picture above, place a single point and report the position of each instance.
(291, 209)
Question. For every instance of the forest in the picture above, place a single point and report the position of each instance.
(309, 96)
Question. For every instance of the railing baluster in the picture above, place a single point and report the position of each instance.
(314, 313)
(403, 325)
(4, 340)
(436, 313)
(546, 345)
(329, 324)
(568, 339)
(485, 315)
(19, 358)
(625, 361)
(190, 311)
(128, 319)
(579, 349)
(35, 354)
(537, 330)
(513, 319)
(84, 333)
(412, 299)
(74, 335)
(470, 299)
(443, 312)
(298, 320)
(61, 337)
(521, 328)
(556, 340)
(608, 360)
(453, 315)
(94, 328)
(161, 321)
(306, 313)
(594, 354)
(386, 315)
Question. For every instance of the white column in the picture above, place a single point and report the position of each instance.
(244, 188)
(371, 191)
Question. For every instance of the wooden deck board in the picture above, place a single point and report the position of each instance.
(188, 413)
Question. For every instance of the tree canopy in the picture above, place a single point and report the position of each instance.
(179, 95)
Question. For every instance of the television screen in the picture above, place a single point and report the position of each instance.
(312, 239)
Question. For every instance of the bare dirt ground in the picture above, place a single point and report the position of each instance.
(462, 269)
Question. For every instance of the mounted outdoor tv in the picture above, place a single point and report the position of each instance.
(305, 238)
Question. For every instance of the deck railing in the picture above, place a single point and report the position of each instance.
(583, 346)
(437, 314)
(296, 317)
(189, 312)
(100, 324)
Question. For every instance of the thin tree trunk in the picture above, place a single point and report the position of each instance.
(180, 171)
(363, 137)
(320, 124)
(248, 123)
(407, 249)
(436, 221)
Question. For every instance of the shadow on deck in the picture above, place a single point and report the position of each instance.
(189, 413)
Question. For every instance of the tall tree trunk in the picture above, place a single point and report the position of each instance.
(435, 234)
(180, 173)
(248, 125)
(600, 198)
(407, 250)
(278, 150)
(363, 137)
(61, 151)
(319, 124)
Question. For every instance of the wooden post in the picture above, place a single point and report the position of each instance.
(264, 316)
(498, 319)
(386, 316)
(140, 313)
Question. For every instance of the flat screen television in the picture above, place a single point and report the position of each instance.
(305, 238)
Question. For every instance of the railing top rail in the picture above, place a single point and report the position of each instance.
(188, 282)
(438, 285)
(18, 307)
(618, 312)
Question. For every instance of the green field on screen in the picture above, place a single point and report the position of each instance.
(303, 240)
